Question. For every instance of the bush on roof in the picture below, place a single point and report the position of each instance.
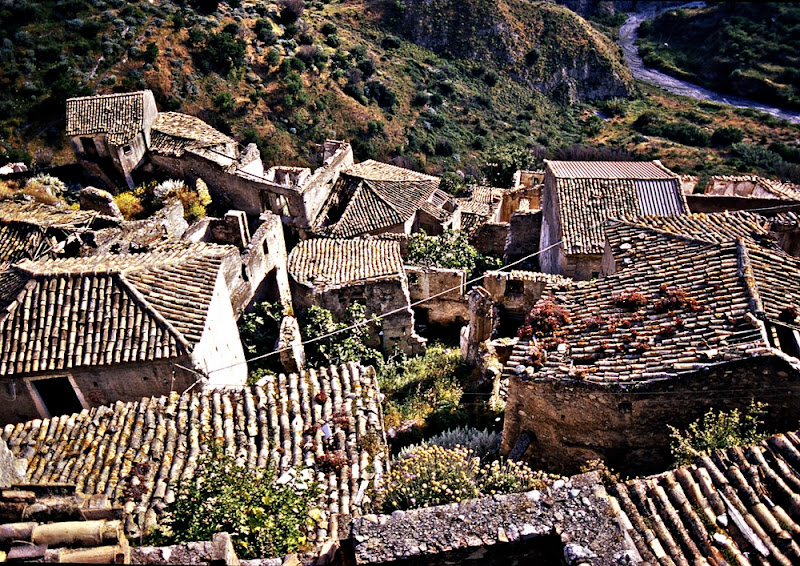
(265, 517)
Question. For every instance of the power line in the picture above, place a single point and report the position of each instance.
(384, 315)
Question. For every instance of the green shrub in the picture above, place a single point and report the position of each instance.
(432, 475)
(348, 345)
(685, 133)
(718, 430)
(726, 135)
(483, 443)
(129, 205)
(46, 183)
(224, 101)
(263, 517)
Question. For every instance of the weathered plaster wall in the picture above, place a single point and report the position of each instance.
(552, 260)
(490, 531)
(219, 353)
(572, 422)
(96, 386)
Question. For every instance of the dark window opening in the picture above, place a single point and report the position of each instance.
(126, 149)
(413, 278)
(509, 324)
(515, 287)
(787, 340)
(88, 146)
(244, 273)
(58, 396)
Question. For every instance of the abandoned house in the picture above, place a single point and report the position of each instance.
(82, 332)
(112, 131)
(375, 198)
(281, 423)
(334, 274)
(32, 230)
(657, 342)
(580, 196)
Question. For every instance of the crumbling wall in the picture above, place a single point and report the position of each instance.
(447, 286)
(574, 514)
(552, 259)
(490, 238)
(574, 421)
(524, 230)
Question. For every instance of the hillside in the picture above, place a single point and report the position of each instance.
(743, 48)
(340, 69)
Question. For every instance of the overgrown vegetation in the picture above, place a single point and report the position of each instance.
(259, 331)
(718, 430)
(263, 517)
(451, 250)
(347, 345)
(148, 198)
(742, 48)
(433, 475)
(484, 444)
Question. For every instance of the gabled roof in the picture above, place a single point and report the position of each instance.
(65, 313)
(275, 424)
(119, 116)
(376, 171)
(610, 170)
(46, 216)
(374, 205)
(173, 133)
(737, 506)
(725, 288)
(329, 263)
(642, 237)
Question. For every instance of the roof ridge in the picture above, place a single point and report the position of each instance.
(374, 191)
(138, 296)
(747, 275)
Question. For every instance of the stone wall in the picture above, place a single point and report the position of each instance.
(705, 203)
(572, 422)
(517, 292)
(552, 260)
(523, 238)
(96, 386)
(490, 238)
(447, 309)
(570, 522)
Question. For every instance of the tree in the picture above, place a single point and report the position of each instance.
(263, 517)
(451, 250)
(348, 345)
(225, 51)
(504, 161)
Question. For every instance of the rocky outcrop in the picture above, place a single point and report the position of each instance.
(543, 45)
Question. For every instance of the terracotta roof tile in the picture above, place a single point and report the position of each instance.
(327, 263)
(372, 170)
(173, 133)
(735, 506)
(274, 424)
(120, 116)
(101, 310)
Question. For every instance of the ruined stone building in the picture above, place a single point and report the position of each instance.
(82, 332)
(276, 424)
(334, 274)
(580, 196)
(112, 131)
(679, 325)
(377, 198)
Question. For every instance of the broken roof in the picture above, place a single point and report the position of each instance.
(737, 506)
(684, 305)
(173, 133)
(119, 116)
(48, 216)
(330, 263)
(63, 313)
(275, 424)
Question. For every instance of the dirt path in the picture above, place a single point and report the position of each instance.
(627, 39)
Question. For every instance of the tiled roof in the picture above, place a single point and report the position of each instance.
(173, 133)
(639, 170)
(737, 506)
(48, 216)
(585, 205)
(327, 263)
(278, 423)
(632, 240)
(376, 171)
(550, 279)
(609, 341)
(374, 204)
(100, 310)
(120, 116)
(20, 241)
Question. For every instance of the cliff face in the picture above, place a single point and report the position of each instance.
(543, 45)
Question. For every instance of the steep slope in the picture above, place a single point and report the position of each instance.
(546, 46)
